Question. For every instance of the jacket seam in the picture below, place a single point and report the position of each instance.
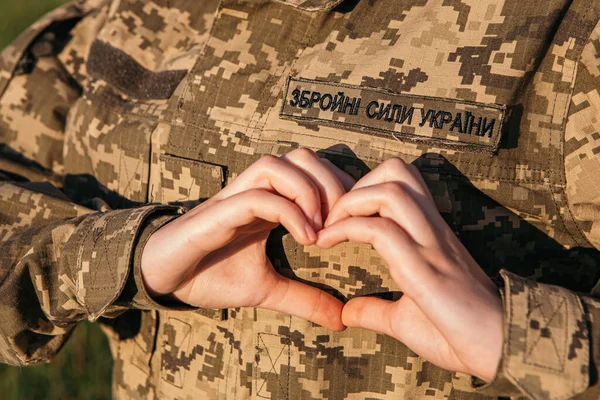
(563, 130)
(178, 113)
(500, 167)
(272, 83)
(366, 157)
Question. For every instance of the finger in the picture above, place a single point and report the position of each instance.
(402, 320)
(191, 237)
(390, 200)
(269, 207)
(408, 268)
(218, 225)
(347, 181)
(396, 170)
(306, 302)
(325, 179)
(281, 177)
(371, 230)
(369, 313)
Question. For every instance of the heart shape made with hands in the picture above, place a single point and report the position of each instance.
(216, 256)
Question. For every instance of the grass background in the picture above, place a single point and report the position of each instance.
(82, 370)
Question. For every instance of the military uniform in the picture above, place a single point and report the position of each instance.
(117, 115)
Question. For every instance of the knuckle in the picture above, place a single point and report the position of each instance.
(302, 154)
(376, 225)
(316, 307)
(337, 192)
(326, 161)
(309, 190)
(398, 193)
(394, 189)
(267, 162)
(386, 225)
(358, 313)
(305, 152)
(276, 295)
(256, 193)
(413, 168)
(395, 164)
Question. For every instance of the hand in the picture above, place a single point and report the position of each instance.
(214, 256)
(451, 312)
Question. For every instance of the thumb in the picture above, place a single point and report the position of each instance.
(304, 301)
(369, 313)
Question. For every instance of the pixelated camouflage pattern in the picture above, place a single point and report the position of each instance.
(72, 269)
(581, 142)
(546, 335)
(529, 209)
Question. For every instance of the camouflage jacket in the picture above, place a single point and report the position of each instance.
(117, 115)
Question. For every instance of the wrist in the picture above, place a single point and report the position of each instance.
(496, 343)
(148, 266)
(135, 293)
(487, 338)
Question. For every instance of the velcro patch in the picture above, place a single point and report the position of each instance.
(442, 122)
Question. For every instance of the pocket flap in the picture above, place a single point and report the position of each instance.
(188, 181)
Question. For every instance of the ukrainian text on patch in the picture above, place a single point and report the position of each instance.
(401, 116)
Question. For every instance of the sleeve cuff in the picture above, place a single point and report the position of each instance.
(546, 345)
(135, 294)
(101, 252)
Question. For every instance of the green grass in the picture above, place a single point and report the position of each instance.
(82, 370)
(16, 15)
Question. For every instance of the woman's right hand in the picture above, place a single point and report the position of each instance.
(214, 256)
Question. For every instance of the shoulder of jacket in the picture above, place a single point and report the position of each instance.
(13, 53)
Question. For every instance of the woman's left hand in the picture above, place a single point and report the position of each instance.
(451, 311)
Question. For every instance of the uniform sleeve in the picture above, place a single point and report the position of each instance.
(546, 350)
(60, 262)
(552, 335)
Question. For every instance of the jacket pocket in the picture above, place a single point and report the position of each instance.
(187, 182)
(133, 338)
(196, 357)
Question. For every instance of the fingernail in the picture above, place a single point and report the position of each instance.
(318, 221)
(310, 232)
